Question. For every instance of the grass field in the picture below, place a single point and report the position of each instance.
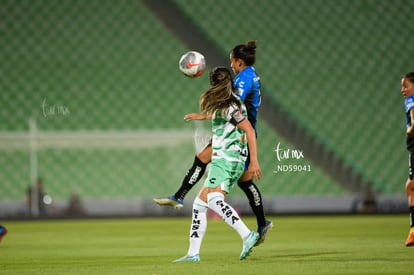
(297, 245)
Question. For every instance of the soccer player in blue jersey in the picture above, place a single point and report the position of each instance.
(3, 231)
(231, 134)
(247, 88)
(407, 89)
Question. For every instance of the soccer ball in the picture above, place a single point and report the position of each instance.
(192, 64)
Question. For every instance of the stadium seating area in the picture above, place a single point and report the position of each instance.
(101, 69)
(336, 66)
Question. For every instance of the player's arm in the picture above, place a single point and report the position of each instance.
(254, 167)
(197, 116)
(410, 129)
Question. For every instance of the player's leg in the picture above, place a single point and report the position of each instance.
(193, 175)
(256, 203)
(218, 184)
(409, 189)
(217, 203)
(197, 229)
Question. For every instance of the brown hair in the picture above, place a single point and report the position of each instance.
(410, 76)
(246, 52)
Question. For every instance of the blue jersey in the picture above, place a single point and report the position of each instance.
(247, 84)
(409, 104)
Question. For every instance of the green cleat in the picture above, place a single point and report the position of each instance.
(195, 258)
(248, 244)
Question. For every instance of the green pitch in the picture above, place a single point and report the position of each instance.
(297, 245)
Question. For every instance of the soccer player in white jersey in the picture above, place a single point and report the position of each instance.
(231, 133)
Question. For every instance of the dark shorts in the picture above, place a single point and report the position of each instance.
(411, 165)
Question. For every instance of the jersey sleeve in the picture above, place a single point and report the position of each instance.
(409, 103)
(234, 115)
(243, 88)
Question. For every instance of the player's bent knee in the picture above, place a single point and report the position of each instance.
(205, 154)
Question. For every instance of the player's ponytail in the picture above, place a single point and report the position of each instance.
(251, 46)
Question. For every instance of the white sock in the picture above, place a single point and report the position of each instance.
(198, 226)
(227, 213)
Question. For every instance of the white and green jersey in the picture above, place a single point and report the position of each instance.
(229, 142)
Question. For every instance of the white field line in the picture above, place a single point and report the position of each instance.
(12, 141)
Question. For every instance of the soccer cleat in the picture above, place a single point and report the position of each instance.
(263, 231)
(3, 231)
(410, 239)
(170, 201)
(195, 258)
(248, 244)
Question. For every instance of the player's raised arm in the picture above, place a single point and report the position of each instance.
(197, 116)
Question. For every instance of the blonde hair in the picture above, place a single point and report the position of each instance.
(220, 95)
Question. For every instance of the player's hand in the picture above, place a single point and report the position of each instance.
(410, 131)
(195, 116)
(255, 171)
